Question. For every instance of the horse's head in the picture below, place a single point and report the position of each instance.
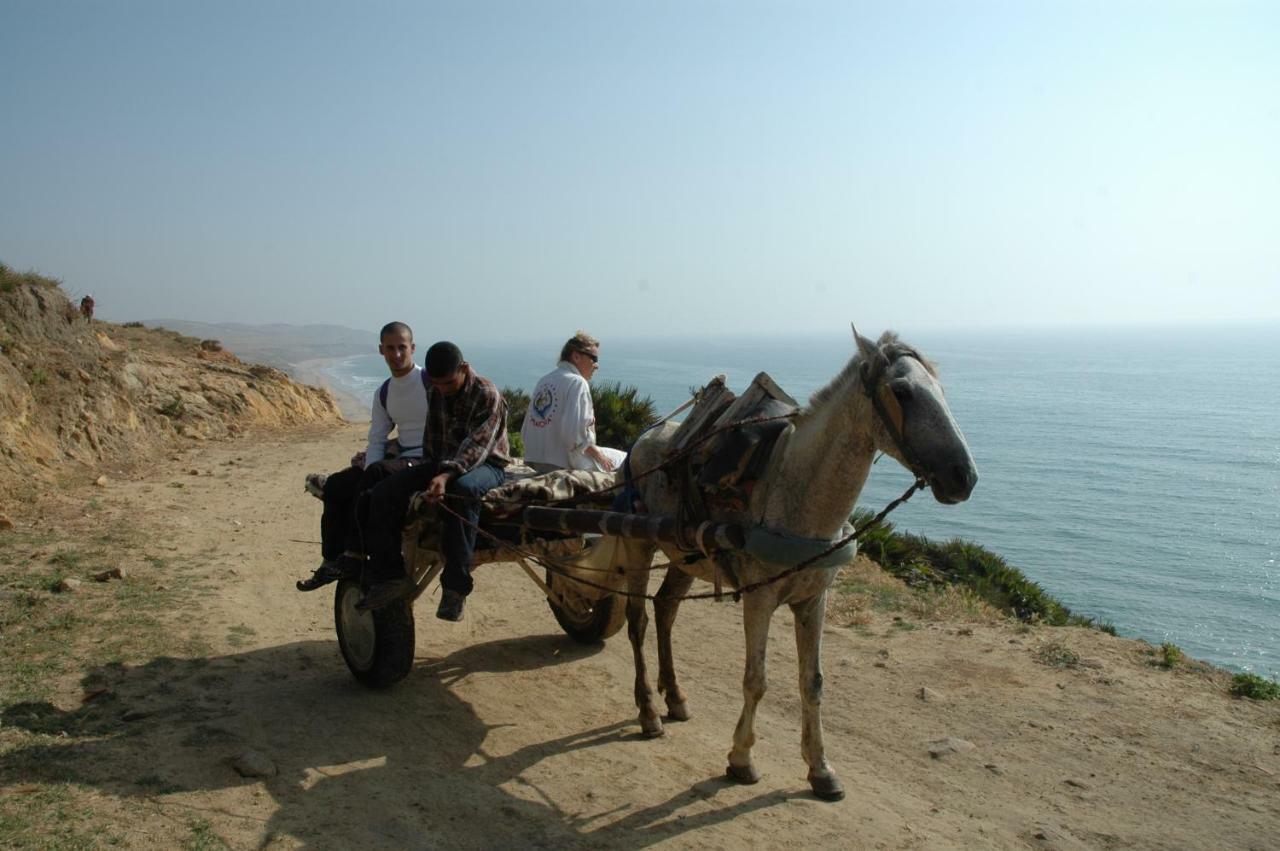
(913, 423)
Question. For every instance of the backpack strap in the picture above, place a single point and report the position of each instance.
(386, 385)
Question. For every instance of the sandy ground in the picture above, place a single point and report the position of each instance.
(507, 734)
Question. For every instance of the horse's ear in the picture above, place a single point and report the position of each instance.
(865, 346)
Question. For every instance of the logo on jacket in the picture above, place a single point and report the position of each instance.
(542, 406)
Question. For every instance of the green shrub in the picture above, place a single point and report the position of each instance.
(1169, 655)
(919, 561)
(1254, 687)
(517, 404)
(174, 409)
(517, 443)
(39, 376)
(621, 414)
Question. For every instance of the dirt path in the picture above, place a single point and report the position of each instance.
(507, 734)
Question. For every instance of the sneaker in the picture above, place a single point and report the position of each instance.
(331, 570)
(382, 594)
(451, 605)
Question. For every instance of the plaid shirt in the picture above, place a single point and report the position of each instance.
(468, 428)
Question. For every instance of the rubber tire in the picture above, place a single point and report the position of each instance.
(390, 658)
(608, 615)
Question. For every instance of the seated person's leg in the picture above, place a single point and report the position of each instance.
(340, 491)
(373, 475)
(388, 503)
(345, 516)
(460, 537)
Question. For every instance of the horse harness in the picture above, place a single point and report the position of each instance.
(722, 475)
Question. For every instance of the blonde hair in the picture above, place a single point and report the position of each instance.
(579, 342)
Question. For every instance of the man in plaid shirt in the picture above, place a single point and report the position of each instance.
(465, 450)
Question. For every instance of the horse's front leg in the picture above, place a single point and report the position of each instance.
(637, 623)
(757, 609)
(809, 615)
(665, 606)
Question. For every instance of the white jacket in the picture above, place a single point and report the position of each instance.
(561, 421)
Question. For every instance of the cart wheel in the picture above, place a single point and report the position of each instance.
(585, 620)
(377, 646)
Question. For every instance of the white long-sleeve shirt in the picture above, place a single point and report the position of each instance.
(406, 411)
(561, 421)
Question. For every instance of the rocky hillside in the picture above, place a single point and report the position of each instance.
(93, 394)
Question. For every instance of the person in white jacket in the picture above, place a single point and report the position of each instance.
(559, 430)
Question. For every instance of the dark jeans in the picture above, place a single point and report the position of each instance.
(346, 504)
(389, 501)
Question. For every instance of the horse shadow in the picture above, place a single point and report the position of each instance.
(402, 767)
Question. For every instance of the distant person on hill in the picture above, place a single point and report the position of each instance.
(86, 308)
(399, 403)
(559, 430)
(464, 454)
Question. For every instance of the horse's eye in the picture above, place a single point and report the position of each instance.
(901, 391)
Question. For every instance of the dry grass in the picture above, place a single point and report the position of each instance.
(864, 589)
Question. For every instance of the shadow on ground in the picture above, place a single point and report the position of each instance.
(405, 767)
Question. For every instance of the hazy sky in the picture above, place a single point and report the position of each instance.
(524, 169)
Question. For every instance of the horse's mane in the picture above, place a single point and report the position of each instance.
(890, 345)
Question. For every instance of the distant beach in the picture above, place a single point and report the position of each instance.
(316, 372)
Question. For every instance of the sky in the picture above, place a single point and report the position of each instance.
(521, 170)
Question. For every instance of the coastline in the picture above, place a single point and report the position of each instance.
(312, 372)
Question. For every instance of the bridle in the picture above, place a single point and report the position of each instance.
(887, 406)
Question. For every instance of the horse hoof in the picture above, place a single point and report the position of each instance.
(651, 728)
(678, 711)
(743, 774)
(827, 788)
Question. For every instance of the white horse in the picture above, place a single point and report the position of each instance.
(886, 399)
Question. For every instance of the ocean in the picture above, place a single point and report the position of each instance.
(1135, 474)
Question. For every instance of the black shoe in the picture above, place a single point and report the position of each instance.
(385, 593)
(451, 605)
(331, 570)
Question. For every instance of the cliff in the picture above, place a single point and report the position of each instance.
(92, 393)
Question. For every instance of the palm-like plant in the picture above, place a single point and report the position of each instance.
(621, 414)
(517, 404)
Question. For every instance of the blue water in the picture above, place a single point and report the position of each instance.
(1134, 474)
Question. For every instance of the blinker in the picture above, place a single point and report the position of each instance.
(892, 408)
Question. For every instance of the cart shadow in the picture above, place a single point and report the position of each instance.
(404, 767)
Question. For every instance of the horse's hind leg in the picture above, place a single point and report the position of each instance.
(757, 609)
(809, 616)
(637, 623)
(665, 606)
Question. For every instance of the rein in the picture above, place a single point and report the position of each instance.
(886, 405)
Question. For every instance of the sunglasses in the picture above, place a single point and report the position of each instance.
(594, 358)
